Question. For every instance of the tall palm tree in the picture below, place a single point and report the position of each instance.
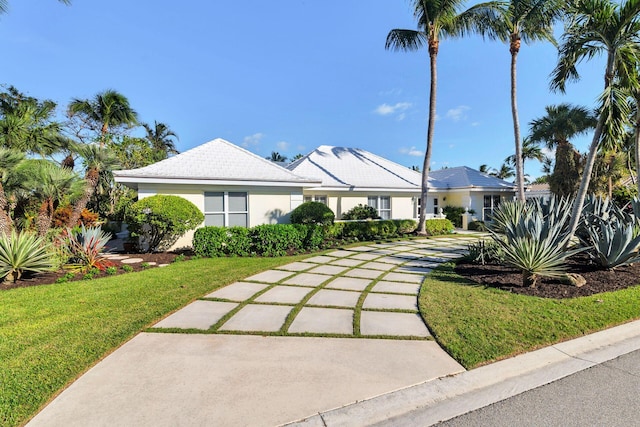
(505, 172)
(437, 19)
(530, 151)
(9, 160)
(105, 111)
(561, 123)
(523, 21)
(484, 168)
(97, 161)
(599, 27)
(276, 157)
(161, 138)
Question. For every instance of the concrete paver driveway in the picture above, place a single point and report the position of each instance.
(276, 347)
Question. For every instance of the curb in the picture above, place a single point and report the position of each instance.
(448, 397)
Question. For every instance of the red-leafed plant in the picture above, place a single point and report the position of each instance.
(85, 247)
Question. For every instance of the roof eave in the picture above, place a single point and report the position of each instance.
(135, 180)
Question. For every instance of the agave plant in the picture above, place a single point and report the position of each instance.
(20, 252)
(507, 213)
(534, 241)
(612, 243)
(86, 247)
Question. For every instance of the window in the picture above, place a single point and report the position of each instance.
(226, 209)
(382, 204)
(435, 206)
(490, 203)
(319, 199)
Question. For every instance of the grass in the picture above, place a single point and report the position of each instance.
(51, 334)
(477, 325)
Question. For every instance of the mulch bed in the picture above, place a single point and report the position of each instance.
(49, 278)
(509, 279)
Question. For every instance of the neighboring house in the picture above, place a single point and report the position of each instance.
(538, 191)
(233, 186)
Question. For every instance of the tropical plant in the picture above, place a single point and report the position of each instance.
(276, 157)
(361, 212)
(530, 151)
(161, 219)
(598, 27)
(518, 21)
(505, 172)
(312, 213)
(107, 110)
(485, 252)
(612, 243)
(162, 140)
(9, 160)
(20, 252)
(436, 20)
(507, 214)
(85, 247)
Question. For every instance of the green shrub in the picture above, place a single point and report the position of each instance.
(485, 252)
(454, 214)
(127, 268)
(209, 241)
(238, 241)
(405, 226)
(23, 252)
(315, 237)
(277, 239)
(357, 230)
(312, 213)
(435, 227)
(111, 270)
(361, 212)
(161, 219)
(335, 230)
(477, 226)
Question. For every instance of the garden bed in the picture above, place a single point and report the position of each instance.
(510, 279)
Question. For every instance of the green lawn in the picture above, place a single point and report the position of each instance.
(477, 325)
(49, 335)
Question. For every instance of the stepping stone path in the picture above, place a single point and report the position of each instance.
(365, 291)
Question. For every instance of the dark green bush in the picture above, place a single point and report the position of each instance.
(277, 239)
(454, 214)
(312, 213)
(210, 241)
(405, 226)
(315, 236)
(477, 226)
(161, 219)
(238, 241)
(361, 212)
(435, 227)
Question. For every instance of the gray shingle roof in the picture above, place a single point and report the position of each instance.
(465, 177)
(217, 160)
(344, 167)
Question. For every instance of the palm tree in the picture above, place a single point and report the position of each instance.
(49, 183)
(530, 151)
(599, 27)
(276, 157)
(436, 20)
(523, 21)
(9, 160)
(105, 111)
(161, 138)
(505, 172)
(560, 124)
(97, 161)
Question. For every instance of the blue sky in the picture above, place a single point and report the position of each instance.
(284, 75)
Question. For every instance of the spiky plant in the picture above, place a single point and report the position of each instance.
(20, 252)
(612, 243)
(86, 247)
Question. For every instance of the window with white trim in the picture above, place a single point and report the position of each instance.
(319, 199)
(226, 209)
(382, 204)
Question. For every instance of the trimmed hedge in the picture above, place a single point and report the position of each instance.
(312, 213)
(435, 227)
(477, 226)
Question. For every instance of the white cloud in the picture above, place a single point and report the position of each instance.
(386, 109)
(458, 113)
(413, 151)
(548, 152)
(252, 140)
(474, 124)
(282, 145)
(390, 92)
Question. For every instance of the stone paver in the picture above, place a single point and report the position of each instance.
(284, 294)
(328, 269)
(323, 321)
(197, 315)
(378, 266)
(253, 317)
(238, 291)
(131, 260)
(396, 324)
(307, 279)
(366, 256)
(413, 270)
(347, 262)
(362, 249)
(270, 276)
(297, 266)
(386, 301)
(403, 277)
(349, 283)
(397, 287)
(340, 253)
(320, 259)
(363, 273)
(329, 297)
(392, 260)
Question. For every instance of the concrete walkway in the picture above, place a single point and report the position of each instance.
(235, 373)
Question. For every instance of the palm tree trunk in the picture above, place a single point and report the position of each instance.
(515, 48)
(92, 177)
(578, 204)
(44, 218)
(433, 54)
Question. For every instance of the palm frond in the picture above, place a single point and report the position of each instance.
(405, 40)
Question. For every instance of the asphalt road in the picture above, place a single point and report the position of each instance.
(604, 395)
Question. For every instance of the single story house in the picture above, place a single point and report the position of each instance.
(234, 187)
